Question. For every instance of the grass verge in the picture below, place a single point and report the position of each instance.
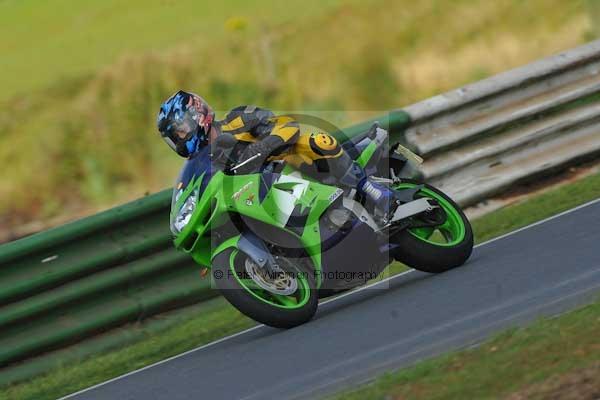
(222, 319)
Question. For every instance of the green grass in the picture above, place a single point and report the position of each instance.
(82, 81)
(222, 319)
(81, 37)
(512, 360)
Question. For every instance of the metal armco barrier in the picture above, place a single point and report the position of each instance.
(482, 138)
(75, 281)
(68, 284)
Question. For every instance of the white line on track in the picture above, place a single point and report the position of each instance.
(349, 293)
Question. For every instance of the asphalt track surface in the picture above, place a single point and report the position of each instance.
(542, 270)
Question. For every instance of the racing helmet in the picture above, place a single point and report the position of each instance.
(184, 122)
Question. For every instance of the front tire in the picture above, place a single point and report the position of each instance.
(420, 251)
(230, 274)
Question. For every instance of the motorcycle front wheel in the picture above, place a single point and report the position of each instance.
(283, 300)
(435, 248)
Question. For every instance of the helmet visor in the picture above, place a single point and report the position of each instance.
(181, 129)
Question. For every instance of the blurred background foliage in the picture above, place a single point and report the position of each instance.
(82, 81)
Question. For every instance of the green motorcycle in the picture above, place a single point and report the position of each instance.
(279, 240)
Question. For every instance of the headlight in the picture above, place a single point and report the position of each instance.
(185, 213)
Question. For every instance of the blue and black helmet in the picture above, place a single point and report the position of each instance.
(184, 122)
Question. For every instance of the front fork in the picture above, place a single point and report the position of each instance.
(254, 247)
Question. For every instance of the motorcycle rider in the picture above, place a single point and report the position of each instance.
(187, 124)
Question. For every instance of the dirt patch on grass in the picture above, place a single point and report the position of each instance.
(583, 384)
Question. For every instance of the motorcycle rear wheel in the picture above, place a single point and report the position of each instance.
(247, 291)
(440, 248)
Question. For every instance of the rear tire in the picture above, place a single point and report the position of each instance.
(259, 304)
(419, 253)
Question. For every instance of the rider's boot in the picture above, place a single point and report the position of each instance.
(379, 199)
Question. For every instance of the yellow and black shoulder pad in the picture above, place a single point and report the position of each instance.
(245, 119)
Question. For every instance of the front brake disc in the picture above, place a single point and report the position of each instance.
(279, 282)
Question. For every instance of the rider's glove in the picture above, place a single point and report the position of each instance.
(223, 151)
(264, 147)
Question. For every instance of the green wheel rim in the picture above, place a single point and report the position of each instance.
(272, 299)
(453, 231)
